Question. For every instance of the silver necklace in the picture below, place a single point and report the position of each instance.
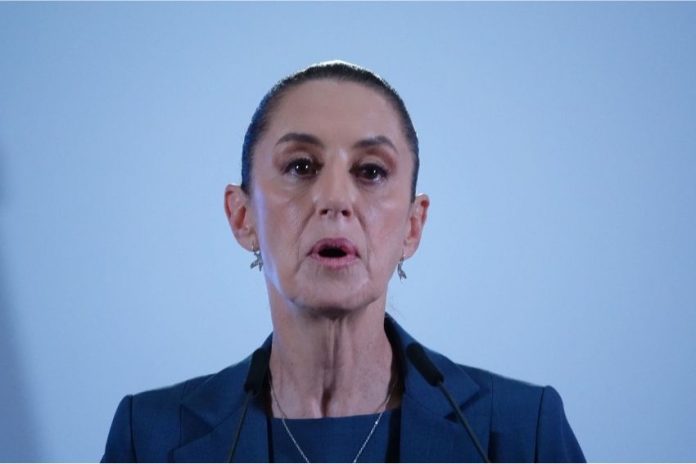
(297, 445)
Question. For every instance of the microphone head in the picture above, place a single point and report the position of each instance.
(416, 354)
(257, 371)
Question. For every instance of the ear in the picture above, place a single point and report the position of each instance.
(416, 220)
(239, 217)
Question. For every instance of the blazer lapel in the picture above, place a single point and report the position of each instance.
(427, 437)
(215, 445)
(210, 415)
(430, 430)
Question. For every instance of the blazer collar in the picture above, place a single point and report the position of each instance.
(429, 429)
(210, 415)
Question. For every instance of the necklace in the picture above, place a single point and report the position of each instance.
(297, 445)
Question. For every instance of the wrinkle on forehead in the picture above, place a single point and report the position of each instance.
(348, 108)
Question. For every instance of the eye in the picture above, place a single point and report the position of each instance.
(370, 172)
(301, 167)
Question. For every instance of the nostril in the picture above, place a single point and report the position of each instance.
(332, 211)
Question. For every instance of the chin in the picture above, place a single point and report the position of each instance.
(334, 303)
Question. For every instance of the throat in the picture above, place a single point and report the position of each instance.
(336, 384)
(322, 367)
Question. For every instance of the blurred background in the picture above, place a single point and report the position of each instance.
(558, 145)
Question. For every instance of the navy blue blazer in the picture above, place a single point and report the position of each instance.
(195, 421)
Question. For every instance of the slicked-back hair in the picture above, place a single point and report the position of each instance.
(335, 70)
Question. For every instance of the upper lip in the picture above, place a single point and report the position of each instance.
(341, 243)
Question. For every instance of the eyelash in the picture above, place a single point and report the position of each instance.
(379, 172)
(371, 173)
(291, 167)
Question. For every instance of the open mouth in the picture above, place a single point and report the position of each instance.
(334, 251)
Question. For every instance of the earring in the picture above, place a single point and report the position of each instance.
(400, 269)
(258, 261)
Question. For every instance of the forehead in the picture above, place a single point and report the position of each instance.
(336, 109)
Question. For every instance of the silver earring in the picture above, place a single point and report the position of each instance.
(258, 261)
(400, 269)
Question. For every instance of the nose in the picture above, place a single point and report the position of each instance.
(334, 192)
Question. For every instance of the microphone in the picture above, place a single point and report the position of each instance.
(416, 354)
(257, 372)
(252, 387)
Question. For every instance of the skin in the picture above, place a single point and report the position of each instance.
(346, 175)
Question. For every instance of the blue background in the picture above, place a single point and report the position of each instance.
(558, 146)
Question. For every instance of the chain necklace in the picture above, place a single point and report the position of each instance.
(294, 441)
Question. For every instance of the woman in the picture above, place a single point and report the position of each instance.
(327, 205)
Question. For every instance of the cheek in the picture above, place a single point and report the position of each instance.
(386, 226)
(281, 219)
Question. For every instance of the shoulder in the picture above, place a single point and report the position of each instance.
(516, 421)
(166, 401)
(156, 410)
(159, 400)
(151, 416)
(510, 401)
(522, 411)
(513, 402)
(147, 425)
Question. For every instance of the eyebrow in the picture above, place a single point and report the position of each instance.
(313, 140)
(300, 137)
(375, 141)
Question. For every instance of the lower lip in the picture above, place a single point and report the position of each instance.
(334, 263)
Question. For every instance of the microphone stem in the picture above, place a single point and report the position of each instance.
(464, 422)
(230, 458)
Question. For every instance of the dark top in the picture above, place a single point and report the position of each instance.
(337, 439)
(196, 420)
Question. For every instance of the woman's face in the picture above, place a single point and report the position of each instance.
(330, 204)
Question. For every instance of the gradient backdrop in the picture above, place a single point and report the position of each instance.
(558, 147)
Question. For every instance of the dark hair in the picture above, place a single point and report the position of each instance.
(337, 70)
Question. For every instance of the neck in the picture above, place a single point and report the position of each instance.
(330, 365)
